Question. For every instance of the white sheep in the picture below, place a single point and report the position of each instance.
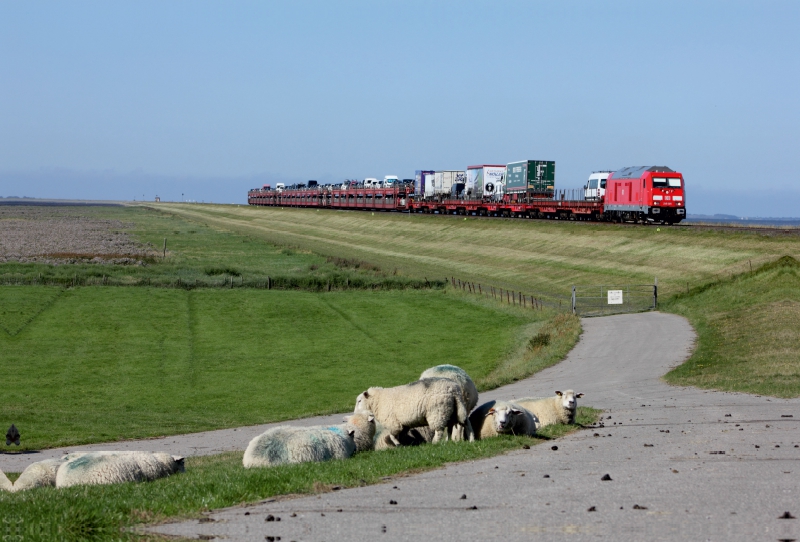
(94, 468)
(435, 402)
(551, 410)
(5, 483)
(459, 375)
(39, 474)
(502, 418)
(289, 444)
(407, 437)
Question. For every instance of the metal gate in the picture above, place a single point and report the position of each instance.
(602, 300)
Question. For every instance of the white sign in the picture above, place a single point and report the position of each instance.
(615, 297)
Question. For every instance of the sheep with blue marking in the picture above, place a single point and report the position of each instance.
(290, 444)
(560, 408)
(434, 402)
(100, 468)
(502, 418)
(39, 474)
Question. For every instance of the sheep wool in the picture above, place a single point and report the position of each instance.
(39, 474)
(435, 402)
(459, 375)
(551, 410)
(98, 468)
(5, 483)
(502, 418)
(289, 444)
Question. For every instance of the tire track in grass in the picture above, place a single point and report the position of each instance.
(348, 319)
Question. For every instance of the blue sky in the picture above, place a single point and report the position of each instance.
(123, 100)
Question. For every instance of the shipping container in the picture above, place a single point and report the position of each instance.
(443, 181)
(531, 176)
(485, 180)
(422, 179)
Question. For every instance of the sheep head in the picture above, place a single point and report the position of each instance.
(569, 399)
(504, 417)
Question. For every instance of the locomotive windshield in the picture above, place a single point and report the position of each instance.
(666, 182)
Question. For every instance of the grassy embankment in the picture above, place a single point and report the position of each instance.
(528, 255)
(100, 512)
(202, 255)
(94, 364)
(748, 334)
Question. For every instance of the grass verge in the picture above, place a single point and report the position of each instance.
(748, 338)
(211, 482)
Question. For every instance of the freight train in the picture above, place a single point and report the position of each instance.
(523, 189)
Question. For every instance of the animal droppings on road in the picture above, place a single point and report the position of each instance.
(606, 478)
(787, 515)
(526, 447)
(648, 445)
(674, 471)
(394, 487)
(552, 448)
(717, 452)
(787, 415)
(727, 415)
(777, 445)
(472, 508)
(464, 496)
(637, 507)
(293, 515)
(757, 446)
(339, 510)
(392, 502)
(592, 509)
(596, 434)
(546, 476)
(247, 513)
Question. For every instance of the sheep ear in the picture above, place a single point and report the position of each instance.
(578, 395)
(352, 433)
(371, 419)
(366, 394)
(559, 393)
(516, 411)
(491, 411)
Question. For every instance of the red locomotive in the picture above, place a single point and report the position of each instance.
(645, 194)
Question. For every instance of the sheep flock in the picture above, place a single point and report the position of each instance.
(442, 405)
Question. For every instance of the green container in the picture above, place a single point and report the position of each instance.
(532, 176)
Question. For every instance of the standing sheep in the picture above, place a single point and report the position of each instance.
(95, 468)
(5, 483)
(551, 410)
(502, 418)
(459, 375)
(435, 402)
(288, 444)
(39, 474)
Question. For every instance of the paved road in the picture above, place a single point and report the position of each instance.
(661, 445)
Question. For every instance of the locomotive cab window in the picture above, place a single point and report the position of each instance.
(666, 182)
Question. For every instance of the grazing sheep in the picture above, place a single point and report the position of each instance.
(39, 474)
(551, 410)
(435, 402)
(288, 444)
(459, 375)
(502, 418)
(94, 468)
(5, 483)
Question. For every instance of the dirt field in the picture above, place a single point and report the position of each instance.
(59, 235)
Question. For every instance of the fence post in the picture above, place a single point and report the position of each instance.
(655, 294)
(573, 301)
(165, 247)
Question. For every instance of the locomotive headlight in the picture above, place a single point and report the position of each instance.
(658, 198)
(677, 198)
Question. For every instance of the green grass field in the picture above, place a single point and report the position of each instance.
(99, 512)
(96, 364)
(528, 255)
(748, 332)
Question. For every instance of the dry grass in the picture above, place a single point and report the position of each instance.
(533, 256)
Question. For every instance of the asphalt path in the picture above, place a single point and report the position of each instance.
(685, 464)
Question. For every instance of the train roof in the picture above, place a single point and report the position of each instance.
(636, 172)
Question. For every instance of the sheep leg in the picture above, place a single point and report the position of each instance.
(394, 440)
(469, 433)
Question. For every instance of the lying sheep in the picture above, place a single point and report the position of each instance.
(39, 474)
(457, 374)
(551, 410)
(5, 483)
(502, 418)
(435, 402)
(408, 437)
(95, 468)
(288, 444)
